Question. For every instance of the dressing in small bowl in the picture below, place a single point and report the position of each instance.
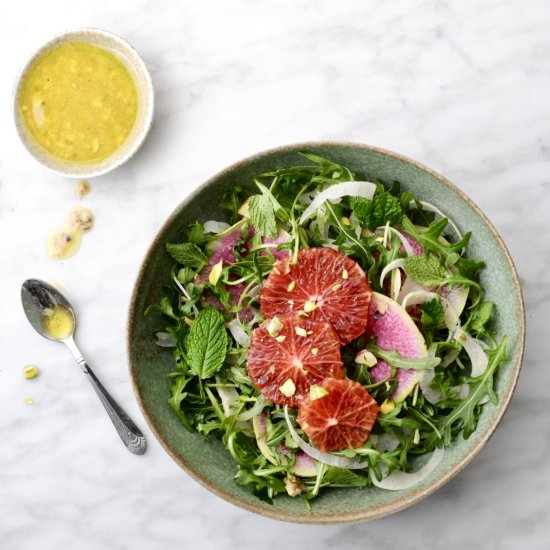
(83, 103)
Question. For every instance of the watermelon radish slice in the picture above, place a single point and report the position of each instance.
(395, 330)
(222, 249)
(304, 465)
(282, 237)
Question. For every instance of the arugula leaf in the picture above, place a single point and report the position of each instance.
(195, 233)
(165, 307)
(425, 270)
(263, 486)
(429, 238)
(207, 343)
(433, 314)
(262, 215)
(468, 268)
(395, 360)
(187, 254)
(479, 319)
(464, 410)
(231, 201)
(342, 477)
(177, 395)
(383, 208)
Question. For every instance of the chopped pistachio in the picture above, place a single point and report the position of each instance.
(280, 339)
(30, 371)
(337, 287)
(316, 392)
(81, 188)
(288, 389)
(244, 209)
(301, 331)
(365, 357)
(309, 306)
(274, 327)
(387, 406)
(314, 351)
(291, 286)
(346, 221)
(293, 486)
(345, 274)
(215, 273)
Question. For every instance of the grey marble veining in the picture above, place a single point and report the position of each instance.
(459, 85)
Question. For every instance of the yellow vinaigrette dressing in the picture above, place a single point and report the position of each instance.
(79, 102)
(58, 322)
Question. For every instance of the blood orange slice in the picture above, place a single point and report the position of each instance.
(341, 418)
(324, 284)
(289, 354)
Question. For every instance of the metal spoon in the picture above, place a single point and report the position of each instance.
(37, 297)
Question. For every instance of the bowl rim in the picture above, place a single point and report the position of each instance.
(78, 170)
(335, 518)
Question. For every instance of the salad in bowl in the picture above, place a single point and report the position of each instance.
(333, 333)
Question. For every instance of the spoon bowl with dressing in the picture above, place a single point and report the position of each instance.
(53, 317)
(83, 103)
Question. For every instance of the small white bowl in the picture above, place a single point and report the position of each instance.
(144, 118)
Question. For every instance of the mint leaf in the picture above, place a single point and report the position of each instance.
(361, 207)
(425, 270)
(479, 319)
(433, 314)
(262, 215)
(383, 208)
(207, 343)
(187, 254)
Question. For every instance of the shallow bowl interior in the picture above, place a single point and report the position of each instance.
(133, 62)
(208, 462)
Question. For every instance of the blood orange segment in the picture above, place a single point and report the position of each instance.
(324, 284)
(341, 419)
(287, 357)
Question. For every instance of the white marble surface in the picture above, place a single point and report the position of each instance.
(460, 85)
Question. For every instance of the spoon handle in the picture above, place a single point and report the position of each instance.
(127, 430)
(129, 433)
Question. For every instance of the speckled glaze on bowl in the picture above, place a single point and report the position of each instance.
(135, 65)
(208, 462)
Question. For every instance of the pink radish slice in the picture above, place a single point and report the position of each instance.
(394, 330)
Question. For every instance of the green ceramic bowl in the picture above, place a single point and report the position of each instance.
(208, 462)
